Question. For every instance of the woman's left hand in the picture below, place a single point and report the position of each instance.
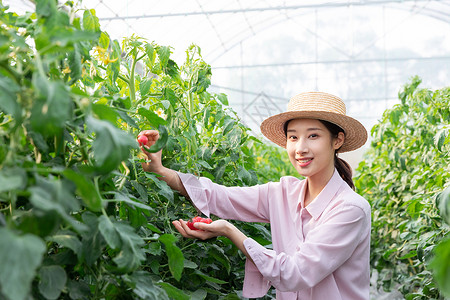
(206, 231)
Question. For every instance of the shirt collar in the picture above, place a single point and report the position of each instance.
(318, 205)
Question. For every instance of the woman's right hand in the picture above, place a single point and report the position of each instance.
(153, 163)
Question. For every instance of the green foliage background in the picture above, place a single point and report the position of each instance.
(406, 177)
(79, 219)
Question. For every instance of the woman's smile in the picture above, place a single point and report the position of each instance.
(304, 162)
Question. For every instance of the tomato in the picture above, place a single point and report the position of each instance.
(142, 140)
(190, 224)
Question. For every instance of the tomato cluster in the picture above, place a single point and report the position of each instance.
(190, 224)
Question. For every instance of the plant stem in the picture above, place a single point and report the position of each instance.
(13, 74)
(190, 98)
(119, 75)
(131, 81)
(127, 172)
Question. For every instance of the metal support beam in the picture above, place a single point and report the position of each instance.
(260, 9)
(345, 61)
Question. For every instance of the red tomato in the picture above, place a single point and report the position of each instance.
(190, 224)
(142, 140)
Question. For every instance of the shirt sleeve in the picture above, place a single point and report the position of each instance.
(238, 203)
(326, 247)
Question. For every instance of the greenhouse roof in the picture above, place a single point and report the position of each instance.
(264, 52)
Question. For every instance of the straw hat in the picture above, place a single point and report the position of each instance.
(321, 106)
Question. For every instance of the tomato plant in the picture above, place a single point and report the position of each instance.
(79, 218)
(406, 176)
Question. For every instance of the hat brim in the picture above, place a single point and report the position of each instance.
(355, 133)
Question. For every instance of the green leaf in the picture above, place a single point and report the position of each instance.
(92, 241)
(122, 236)
(66, 238)
(150, 51)
(218, 254)
(121, 197)
(143, 194)
(105, 112)
(161, 142)
(124, 116)
(209, 278)
(109, 232)
(440, 137)
(174, 292)
(40, 223)
(104, 40)
(244, 175)
(227, 125)
(443, 200)
(415, 208)
(74, 58)
(53, 194)
(12, 179)
(65, 38)
(113, 68)
(394, 116)
(173, 71)
(220, 168)
(164, 189)
(52, 107)
(79, 290)
(56, 195)
(111, 145)
(163, 53)
(223, 98)
(440, 265)
(206, 116)
(20, 256)
(204, 164)
(190, 264)
(170, 95)
(199, 295)
(90, 21)
(165, 103)
(409, 255)
(52, 281)
(153, 228)
(86, 189)
(144, 86)
(152, 117)
(203, 80)
(154, 248)
(45, 8)
(176, 258)
(142, 285)
(8, 100)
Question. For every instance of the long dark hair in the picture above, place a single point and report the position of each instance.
(343, 168)
(341, 165)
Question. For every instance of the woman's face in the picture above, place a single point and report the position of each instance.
(311, 147)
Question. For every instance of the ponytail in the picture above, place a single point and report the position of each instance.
(344, 170)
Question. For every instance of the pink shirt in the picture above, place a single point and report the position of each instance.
(319, 252)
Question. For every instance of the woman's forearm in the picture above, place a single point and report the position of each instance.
(238, 238)
(172, 179)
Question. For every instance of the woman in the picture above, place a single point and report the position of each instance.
(320, 226)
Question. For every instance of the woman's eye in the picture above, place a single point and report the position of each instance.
(313, 135)
(292, 137)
